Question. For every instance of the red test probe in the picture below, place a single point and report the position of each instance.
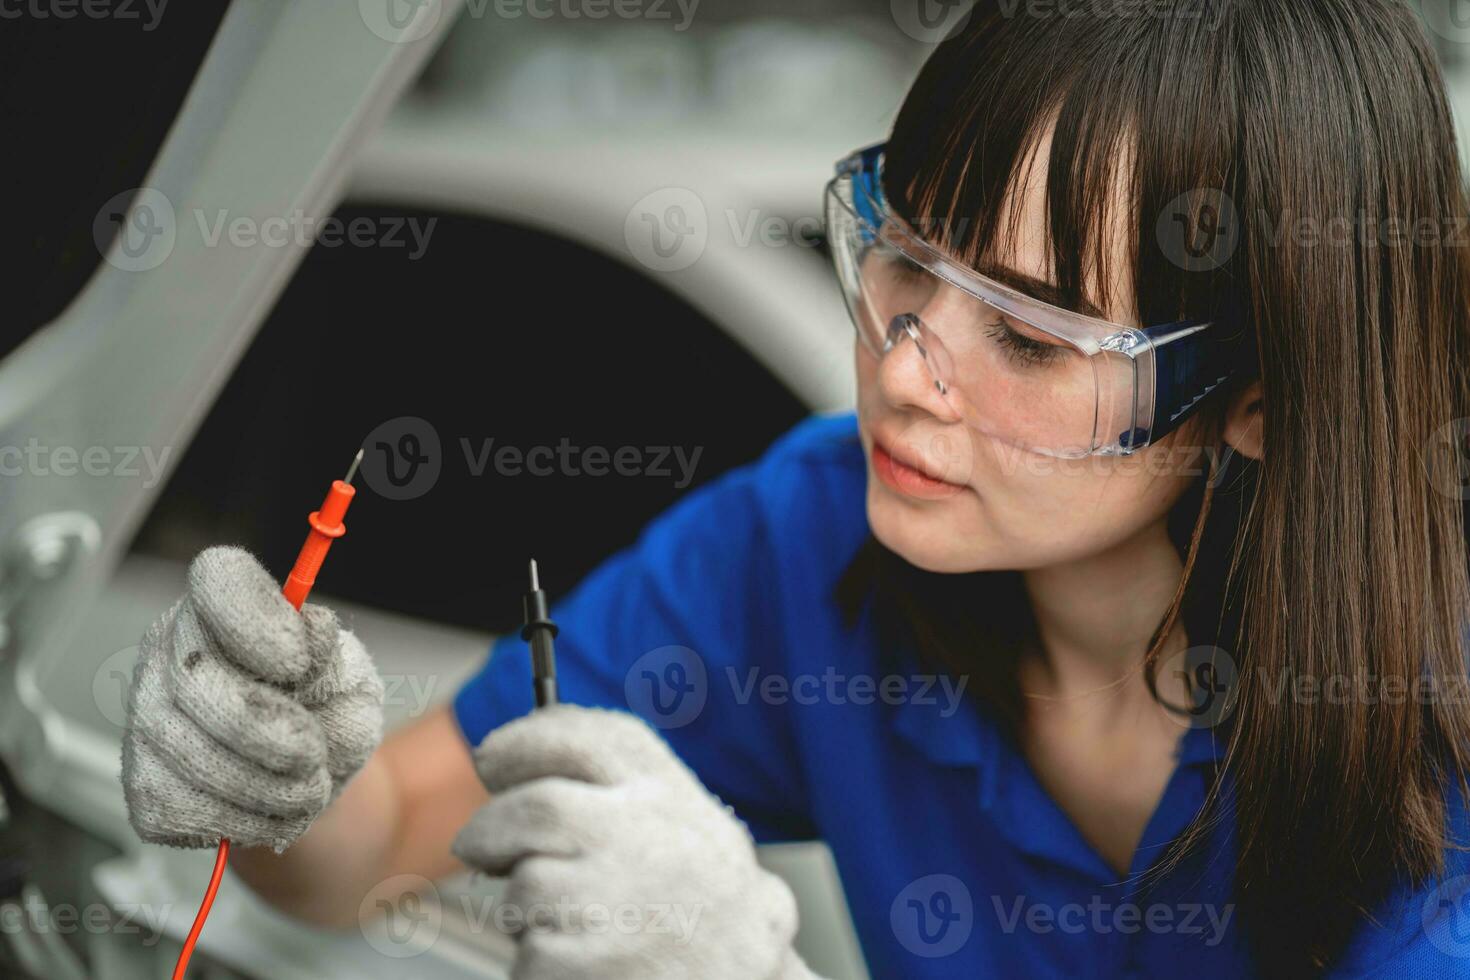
(326, 527)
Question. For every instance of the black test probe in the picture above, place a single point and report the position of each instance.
(539, 631)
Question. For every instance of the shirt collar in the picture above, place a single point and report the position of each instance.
(949, 734)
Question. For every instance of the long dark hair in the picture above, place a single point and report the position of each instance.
(1339, 555)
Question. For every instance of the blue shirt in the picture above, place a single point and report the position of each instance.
(718, 626)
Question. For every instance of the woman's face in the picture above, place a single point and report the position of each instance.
(950, 498)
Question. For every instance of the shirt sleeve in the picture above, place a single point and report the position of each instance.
(676, 628)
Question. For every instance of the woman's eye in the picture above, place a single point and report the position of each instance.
(900, 266)
(907, 271)
(1021, 348)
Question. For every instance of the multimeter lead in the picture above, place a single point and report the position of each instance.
(539, 632)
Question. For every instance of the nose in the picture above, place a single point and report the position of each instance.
(909, 325)
(901, 376)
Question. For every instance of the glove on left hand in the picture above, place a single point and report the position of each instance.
(622, 865)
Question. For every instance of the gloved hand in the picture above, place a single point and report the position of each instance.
(622, 865)
(245, 717)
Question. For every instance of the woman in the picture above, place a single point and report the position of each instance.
(1120, 632)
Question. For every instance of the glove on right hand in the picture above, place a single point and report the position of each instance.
(245, 717)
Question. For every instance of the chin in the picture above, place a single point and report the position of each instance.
(926, 537)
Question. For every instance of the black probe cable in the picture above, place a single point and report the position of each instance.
(539, 631)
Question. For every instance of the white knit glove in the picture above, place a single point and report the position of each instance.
(622, 865)
(245, 717)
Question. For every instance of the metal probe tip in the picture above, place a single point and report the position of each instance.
(535, 583)
(352, 470)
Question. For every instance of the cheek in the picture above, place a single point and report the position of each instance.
(1028, 511)
(866, 367)
(1075, 507)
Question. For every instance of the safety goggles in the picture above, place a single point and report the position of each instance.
(1033, 375)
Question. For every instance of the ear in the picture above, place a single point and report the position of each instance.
(1245, 421)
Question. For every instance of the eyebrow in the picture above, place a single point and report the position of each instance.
(1039, 289)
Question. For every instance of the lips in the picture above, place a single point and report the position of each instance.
(909, 479)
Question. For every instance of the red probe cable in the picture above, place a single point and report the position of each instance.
(326, 527)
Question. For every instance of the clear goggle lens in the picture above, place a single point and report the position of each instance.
(1003, 371)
